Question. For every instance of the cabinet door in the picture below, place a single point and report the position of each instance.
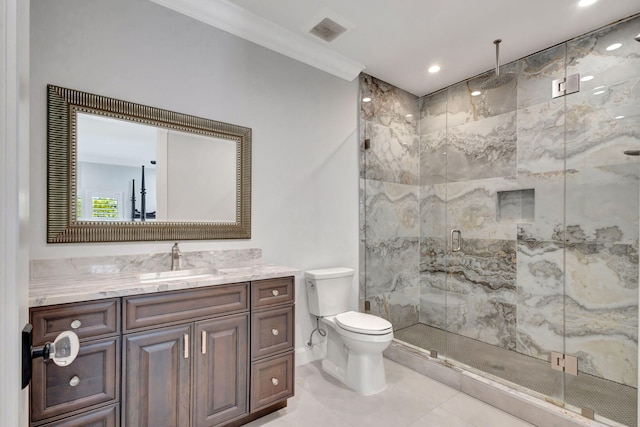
(221, 365)
(156, 378)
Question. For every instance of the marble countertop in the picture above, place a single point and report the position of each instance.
(60, 290)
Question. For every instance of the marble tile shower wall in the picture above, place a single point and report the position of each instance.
(565, 279)
(602, 199)
(468, 147)
(389, 195)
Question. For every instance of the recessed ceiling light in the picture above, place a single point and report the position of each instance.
(408, 116)
(475, 93)
(585, 3)
(586, 78)
(619, 117)
(434, 68)
(366, 99)
(614, 46)
(600, 92)
(599, 87)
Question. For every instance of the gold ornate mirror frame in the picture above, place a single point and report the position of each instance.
(62, 224)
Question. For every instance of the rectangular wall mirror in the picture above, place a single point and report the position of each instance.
(119, 171)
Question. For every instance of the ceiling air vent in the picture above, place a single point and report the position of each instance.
(328, 30)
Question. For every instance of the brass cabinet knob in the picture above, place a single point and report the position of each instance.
(275, 292)
(275, 381)
(275, 332)
(74, 381)
(76, 324)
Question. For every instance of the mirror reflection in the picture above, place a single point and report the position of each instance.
(129, 171)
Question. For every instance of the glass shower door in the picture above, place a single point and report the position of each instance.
(390, 192)
(540, 266)
(506, 193)
(485, 203)
(602, 212)
(434, 234)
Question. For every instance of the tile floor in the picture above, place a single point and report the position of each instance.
(410, 400)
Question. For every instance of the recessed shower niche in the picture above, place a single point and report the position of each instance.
(516, 206)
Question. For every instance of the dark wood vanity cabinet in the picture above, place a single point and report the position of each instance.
(159, 367)
(76, 395)
(272, 343)
(191, 374)
(211, 356)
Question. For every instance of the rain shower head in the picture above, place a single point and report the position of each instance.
(499, 79)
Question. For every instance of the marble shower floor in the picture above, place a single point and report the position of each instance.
(410, 400)
(608, 399)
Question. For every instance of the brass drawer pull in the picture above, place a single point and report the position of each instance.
(76, 324)
(74, 381)
(275, 292)
(275, 332)
(275, 381)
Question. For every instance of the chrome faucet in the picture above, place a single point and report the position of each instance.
(176, 257)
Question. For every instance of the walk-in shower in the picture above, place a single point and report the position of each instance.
(500, 225)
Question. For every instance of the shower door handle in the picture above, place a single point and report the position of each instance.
(456, 240)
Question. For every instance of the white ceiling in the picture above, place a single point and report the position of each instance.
(398, 40)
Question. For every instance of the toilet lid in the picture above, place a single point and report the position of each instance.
(363, 323)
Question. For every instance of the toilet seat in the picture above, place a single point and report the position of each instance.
(363, 323)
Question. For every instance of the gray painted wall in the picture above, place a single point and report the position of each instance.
(304, 122)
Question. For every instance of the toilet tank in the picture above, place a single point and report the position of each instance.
(328, 290)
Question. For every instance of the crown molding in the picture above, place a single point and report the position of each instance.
(240, 22)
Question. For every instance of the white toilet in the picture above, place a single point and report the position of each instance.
(355, 341)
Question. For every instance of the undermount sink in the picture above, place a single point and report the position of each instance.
(194, 273)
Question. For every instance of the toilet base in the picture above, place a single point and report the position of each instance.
(334, 370)
(363, 373)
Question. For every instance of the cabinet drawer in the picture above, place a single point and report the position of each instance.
(87, 320)
(105, 417)
(271, 332)
(271, 381)
(96, 377)
(175, 307)
(269, 292)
